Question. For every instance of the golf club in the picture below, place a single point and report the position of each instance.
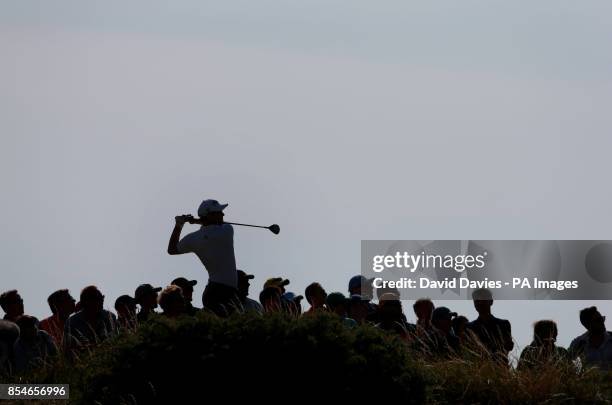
(274, 228)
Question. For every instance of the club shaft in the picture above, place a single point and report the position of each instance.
(254, 226)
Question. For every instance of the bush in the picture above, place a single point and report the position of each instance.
(316, 358)
(249, 357)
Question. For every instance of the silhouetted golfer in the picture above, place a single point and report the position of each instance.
(213, 243)
(493, 333)
(595, 346)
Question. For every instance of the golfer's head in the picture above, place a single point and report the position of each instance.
(211, 211)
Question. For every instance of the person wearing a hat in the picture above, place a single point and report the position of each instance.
(244, 284)
(125, 306)
(146, 296)
(277, 282)
(292, 303)
(213, 243)
(337, 303)
(187, 287)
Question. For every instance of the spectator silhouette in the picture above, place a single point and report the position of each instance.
(542, 349)
(277, 282)
(62, 305)
(594, 347)
(244, 285)
(172, 301)
(9, 333)
(337, 303)
(213, 243)
(359, 308)
(187, 288)
(12, 305)
(34, 346)
(292, 303)
(146, 296)
(270, 298)
(362, 286)
(315, 296)
(493, 333)
(459, 324)
(92, 324)
(423, 309)
(126, 312)
(391, 318)
(444, 341)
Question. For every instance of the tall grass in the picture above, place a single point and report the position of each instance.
(316, 358)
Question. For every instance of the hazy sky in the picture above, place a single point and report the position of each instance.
(338, 120)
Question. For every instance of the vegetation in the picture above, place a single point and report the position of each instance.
(315, 358)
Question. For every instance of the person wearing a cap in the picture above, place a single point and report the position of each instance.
(494, 334)
(277, 282)
(125, 306)
(292, 303)
(213, 243)
(443, 339)
(337, 303)
(187, 288)
(244, 284)
(92, 324)
(146, 296)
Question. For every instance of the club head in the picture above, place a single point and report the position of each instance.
(274, 228)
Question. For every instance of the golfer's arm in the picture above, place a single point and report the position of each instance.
(174, 240)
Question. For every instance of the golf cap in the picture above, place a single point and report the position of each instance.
(145, 289)
(289, 296)
(278, 282)
(442, 313)
(358, 281)
(183, 282)
(243, 275)
(209, 206)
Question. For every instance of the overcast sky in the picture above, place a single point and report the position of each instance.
(338, 120)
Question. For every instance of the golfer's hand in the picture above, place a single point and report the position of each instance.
(182, 219)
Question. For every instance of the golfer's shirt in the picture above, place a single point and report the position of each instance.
(214, 245)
